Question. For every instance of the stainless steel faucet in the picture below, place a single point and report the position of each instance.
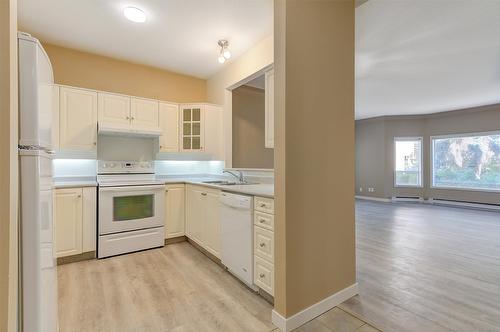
(239, 176)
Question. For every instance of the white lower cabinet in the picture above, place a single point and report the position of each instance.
(202, 217)
(75, 220)
(263, 242)
(174, 210)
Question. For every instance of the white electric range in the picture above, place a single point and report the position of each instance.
(131, 208)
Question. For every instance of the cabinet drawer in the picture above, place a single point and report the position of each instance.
(264, 204)
(263, 243)
(264, 220)
(264, 275)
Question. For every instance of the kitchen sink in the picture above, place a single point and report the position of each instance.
(227, 183)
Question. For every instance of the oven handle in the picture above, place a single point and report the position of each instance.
(131, 188)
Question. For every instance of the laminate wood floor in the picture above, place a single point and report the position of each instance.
(427, 268)
(175, 288)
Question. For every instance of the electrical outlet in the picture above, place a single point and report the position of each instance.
(371, 190)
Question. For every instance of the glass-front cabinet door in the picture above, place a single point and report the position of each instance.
(192, 128)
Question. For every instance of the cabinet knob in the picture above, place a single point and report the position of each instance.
(262, 204)
(204, 194)
(79, 196)
(262, 244)
(262, 221)
(262, 275)
(166, 190)
(132, 118)
(95, 143)
(128, 117)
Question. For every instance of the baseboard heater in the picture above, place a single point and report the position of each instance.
(414, 199)
(474, 205)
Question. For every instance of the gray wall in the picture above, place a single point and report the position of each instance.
(375, 150)
(249, 149)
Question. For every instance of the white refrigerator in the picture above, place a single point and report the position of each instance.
(38, 264)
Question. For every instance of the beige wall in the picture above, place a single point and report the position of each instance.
(249, 120)
(82, 69)
(369, 135)
(8, 166)
(254, 60)
(314, 143)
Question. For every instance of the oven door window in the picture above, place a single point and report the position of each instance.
(133, 207)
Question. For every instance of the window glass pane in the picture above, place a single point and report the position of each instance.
(408, 154)
(186, 114)
(133, 207)
(466, 162)
(196, 143)
(196, 128)
(186, 143)
(196, 114)
(186, 128)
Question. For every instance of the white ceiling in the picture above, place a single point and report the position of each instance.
(179, 35)
(426, 56)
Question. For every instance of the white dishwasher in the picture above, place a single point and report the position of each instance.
(236, 213)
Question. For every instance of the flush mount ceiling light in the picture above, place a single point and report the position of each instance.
(134, 14)
(224, 53)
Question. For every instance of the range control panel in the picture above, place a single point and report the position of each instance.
(123, 167)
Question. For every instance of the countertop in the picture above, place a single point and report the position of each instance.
(75, 182)
(259, 189)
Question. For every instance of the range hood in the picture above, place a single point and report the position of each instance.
(103, 129)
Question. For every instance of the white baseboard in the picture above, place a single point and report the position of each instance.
(377, 199)
(407, 199)
(304, 316)
(479, 206)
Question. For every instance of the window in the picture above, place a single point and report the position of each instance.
(408, 159)
(466, 162)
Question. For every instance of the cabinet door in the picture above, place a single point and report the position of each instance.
(211, 224)
(269, 100)
(89, 223)
(144, 114)
(114, 110)
(195, 215)
(78, 119)
(174, 211)
(214, 131)
(68, 221)
(192, 128)
(169, 124)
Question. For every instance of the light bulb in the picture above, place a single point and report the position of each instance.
(227, 54)
(221, 59)
(134, 14)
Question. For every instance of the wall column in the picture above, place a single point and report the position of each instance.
(8, 166)
(314, 158)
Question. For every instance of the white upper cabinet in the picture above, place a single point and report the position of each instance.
(114, 110)
(144, 114)
(269, 100)
(169, 125)
(77, 119)
(214, 131)
(192, 128)
(128, 113)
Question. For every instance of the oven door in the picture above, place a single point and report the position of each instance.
(130, 208)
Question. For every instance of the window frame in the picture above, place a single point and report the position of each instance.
(421, 168)
(431, 160)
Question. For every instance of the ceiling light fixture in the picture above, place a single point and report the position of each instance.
(224, 53)
(134, 14)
